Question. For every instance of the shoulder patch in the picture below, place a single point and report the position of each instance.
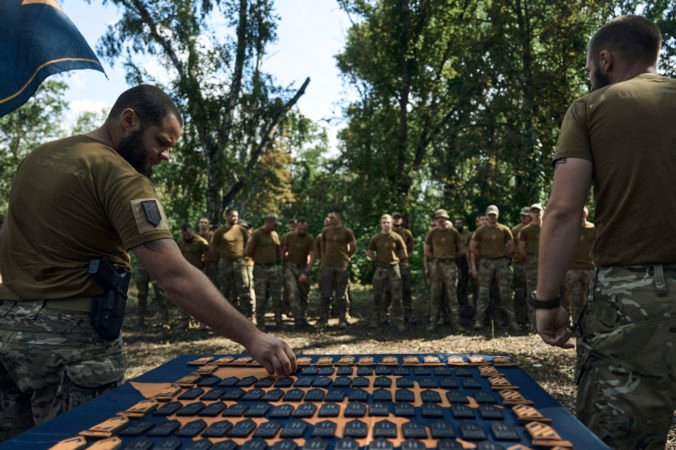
(152, 212)
(149, 215)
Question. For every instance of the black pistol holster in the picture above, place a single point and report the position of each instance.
(108, 308)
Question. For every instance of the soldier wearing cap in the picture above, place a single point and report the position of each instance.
(529, 242)
(519, 275)
(493, 245)
(443, 244)
(336, 246)
(479, 221)
(265, 250)
(227, 247)
(298, 255)
(581, 272)
(386, 249)
(405, 269)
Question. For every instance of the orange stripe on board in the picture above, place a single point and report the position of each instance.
(44, 2)
(54, 61)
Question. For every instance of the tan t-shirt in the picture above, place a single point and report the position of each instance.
(298, 247)
(493, 241)
(444, 242)
(230, 242)
(72, 200)
(387, 247)
(530, 234)
(627, 131)
(582, 256)
(334, 242)
(194, 250)
(265, 245)
(406, 235)
(206, 236)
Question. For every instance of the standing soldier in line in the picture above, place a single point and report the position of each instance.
(386, 249)
(228, 244)
(143, 280)
(519, 276)
(443, 244)
(479, 221)
(336, 247)
(205, 233)
(298, 258)
(493, 246)
(579, 276)
(404, 268)
(265, 250)
(195, 249)
(529, 242)
(462, 263)
(249, 264)
(286, 304)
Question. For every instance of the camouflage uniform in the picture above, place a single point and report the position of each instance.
(520, 291)
(498, 268)
(333, 281)
(297, 292)
(444, 275)
(268, 282)
(233, 280)
(387, 277)
(577, 284)
(531, 268)
(143, 279)
(627, 395)
(51, 361)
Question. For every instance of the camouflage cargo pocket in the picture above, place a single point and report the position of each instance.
(88, 379)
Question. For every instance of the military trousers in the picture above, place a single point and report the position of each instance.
(406, 291)
(626, 354)
(387, 278)
(268, 284)
(520, 292)
(333, 284)
(234, 284)
(444, 285)
(143, 280)
(296, 290)
(497, 268)
(531, 266)
(50, 361)
(577, 284)
(463, 280)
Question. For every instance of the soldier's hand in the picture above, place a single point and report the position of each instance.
(302, 278)
(273, 353)
(553, 327)
(472, 273)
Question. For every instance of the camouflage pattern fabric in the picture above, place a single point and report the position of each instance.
(463, 280)
(498, 268)
(333, 284)
(297, 292)
(233, 281)
(387, 277)
(444, 280)
(406, 287)
(577, 283)
(212, 273)
(250, 283)
(531, 266)
(520, 293)
(143, 280)
(626, 364)
(268, 284)
(50, 362)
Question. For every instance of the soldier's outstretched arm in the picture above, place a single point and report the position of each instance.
(192, 291)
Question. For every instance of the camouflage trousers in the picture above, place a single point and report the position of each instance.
(531, 266)
(50, 362)
(268, 284)
(233, 282)
(488, 269)
(626, 354)
(463, 280)
(520, 292)
(143, 280)
(577, 283)
(333, 284)
(297, 291)
(387, 278)
(444, 287)
(212, 272)
(406, 291)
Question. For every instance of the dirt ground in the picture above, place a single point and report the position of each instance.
(157, 343)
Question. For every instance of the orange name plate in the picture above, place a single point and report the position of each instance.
(106, 428)
(488, 371)
(141, 408)
(411, 361)
(112, 443)
(345, 361)
(526, 413)
(512, 397)
(303, 361)
(74, 443)
(201, 361)
(366, 361)
(189, 379)
(500, 382)
(431, 361)
(503, 361)
(206, 370)
(167, 393)
(224, 361)
(456, 361)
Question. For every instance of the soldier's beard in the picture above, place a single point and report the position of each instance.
(133, 150)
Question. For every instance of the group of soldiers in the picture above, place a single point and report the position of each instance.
(490, 269)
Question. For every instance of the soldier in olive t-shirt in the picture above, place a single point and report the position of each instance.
(581, 272)
(298, 254)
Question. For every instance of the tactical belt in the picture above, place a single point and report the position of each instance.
(657, 272)
(74, 304)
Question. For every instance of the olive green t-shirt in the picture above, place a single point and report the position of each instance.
(230, 241)
(444, 242)
(73, 200)
(530, 234)
(298, 247)
(493, 241)
(194, 250)
(334, 242)
(265, 245)
(387, 247)
(582, 256)
(206, 236)
(406, 235)
(627, 131)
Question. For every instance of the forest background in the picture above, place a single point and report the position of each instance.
(458, 106)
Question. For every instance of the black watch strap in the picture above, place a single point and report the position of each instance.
(543, 304)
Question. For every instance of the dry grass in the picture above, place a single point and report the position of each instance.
(551, 367)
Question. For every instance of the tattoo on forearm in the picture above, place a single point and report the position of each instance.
(560, 161)
(156, 245)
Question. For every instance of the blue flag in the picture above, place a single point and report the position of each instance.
(37, 40)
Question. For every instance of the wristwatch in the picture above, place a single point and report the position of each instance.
(544, 304)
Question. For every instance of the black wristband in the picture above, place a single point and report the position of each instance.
(535, 303)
